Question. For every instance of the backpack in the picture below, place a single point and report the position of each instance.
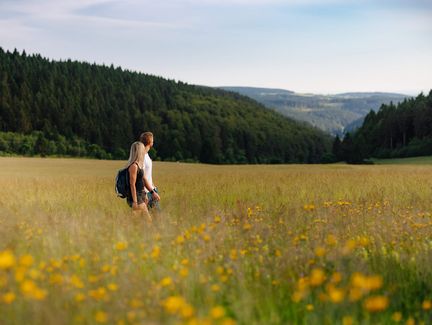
(122, 186)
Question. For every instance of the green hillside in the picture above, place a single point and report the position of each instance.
(395, 131)
(81, 109)
(424, 160)
(331, 113)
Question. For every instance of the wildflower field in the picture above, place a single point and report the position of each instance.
(282, 244)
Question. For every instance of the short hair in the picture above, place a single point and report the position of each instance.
(145, 137)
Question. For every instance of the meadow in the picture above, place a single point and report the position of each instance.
(280, 244)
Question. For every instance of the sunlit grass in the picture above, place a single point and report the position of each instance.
(293, 244)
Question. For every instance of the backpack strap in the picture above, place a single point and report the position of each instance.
(132, 164)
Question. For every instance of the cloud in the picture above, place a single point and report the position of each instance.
(265, 2)
(46, 7)
(74, 12)
(19, 31)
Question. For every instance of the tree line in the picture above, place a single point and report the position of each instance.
(395, 131)
(81, 109)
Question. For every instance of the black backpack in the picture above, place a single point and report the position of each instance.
(122, 186)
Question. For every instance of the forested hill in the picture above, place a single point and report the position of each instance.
(331, 113)
(403, 130)
(80, 109)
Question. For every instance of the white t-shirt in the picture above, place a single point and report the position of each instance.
(148, 165)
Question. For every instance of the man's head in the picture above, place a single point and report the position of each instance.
(147, 139)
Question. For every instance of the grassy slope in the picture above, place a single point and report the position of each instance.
(425, 160)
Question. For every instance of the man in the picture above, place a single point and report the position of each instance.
(151, 190)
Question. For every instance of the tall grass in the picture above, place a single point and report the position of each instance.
(277, 244)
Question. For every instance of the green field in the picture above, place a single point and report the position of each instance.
(425, 160)
(280, 244)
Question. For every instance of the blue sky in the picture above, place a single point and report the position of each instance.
(316, 46)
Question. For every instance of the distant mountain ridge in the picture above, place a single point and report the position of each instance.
(334, 114)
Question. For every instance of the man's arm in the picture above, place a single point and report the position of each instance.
(148, 186)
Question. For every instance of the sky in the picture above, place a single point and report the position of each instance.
(307, 46)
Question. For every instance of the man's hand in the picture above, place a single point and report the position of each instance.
(156, 196)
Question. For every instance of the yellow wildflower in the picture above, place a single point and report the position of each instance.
(7, 259)
(410, 321)
(31, 290)
(121, 246)
(376, 303)
(165, 282)
(56, 278)
(20, 272)
(34, 274)
(336, 277)
(93, 278)
(155, 252)
(347, 320)
(180, 239)
(355, 294)
(184, 262)
(184, 272)
(233, 254)
(309, 207)
(426, 305)
(297, 296)
(397, 316)
(363, 241)
(101, 317)
(220, 270)
(215, 288)
(98, 294)
(367, 283)
(76, 282)
(8, 297)
(131, 316)
(106, 268)
(186, 310)
(79, 297)
(228, 321)
(374, 282)
(350, 245)
(135, 303)
(26, 260)
(336, 295)
(173, 304)
(317, 277)
(320, 251)
(112, 287)
(27, 287)
(217, 312)
(331, 240)
(39, 294)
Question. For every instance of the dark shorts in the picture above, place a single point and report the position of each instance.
(140, 199)
(152, 203)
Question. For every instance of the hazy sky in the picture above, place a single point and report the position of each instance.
(318, 46)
